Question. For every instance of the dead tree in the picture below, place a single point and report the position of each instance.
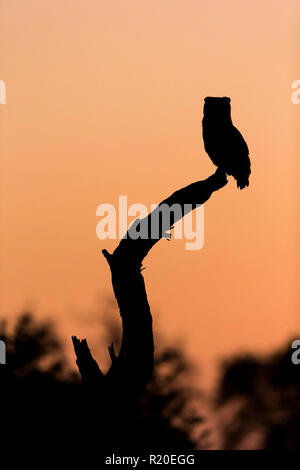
(131, 370)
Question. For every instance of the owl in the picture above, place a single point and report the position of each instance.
(223, 142)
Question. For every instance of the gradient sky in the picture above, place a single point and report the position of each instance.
(104, 98)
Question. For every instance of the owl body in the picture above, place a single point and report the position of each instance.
(223, 142)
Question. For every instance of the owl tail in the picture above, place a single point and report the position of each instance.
(242, 182)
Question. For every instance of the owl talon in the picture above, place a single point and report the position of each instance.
(220, 177)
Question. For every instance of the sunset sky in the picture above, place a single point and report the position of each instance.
(105, 98)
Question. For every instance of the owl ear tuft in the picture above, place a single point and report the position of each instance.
(216, 99)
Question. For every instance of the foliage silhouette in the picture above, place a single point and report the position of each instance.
(49, 394)
(33, 352)
(258, 402)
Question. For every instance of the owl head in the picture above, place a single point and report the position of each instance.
(214, 106)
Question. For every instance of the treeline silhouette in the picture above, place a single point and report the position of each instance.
(257, 400)
(39, 388)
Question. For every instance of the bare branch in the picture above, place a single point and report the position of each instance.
(132, 369)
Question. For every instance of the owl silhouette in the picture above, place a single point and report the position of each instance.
(223, 142)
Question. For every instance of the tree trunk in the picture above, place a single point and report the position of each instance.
(132, 369)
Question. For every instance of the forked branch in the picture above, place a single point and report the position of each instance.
(132, 368)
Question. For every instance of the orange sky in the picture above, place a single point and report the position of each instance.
(104, 98)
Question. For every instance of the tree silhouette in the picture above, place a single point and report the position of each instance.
(33, 352)
(120, 389)
(258, 402)
(131, 370)
(38, 386)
